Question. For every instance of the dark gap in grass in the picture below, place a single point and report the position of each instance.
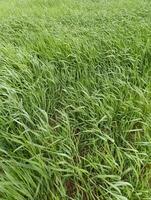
(70, 188)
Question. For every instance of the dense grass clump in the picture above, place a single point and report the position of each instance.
(75, 100)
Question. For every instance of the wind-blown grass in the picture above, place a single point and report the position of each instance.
(75, 100)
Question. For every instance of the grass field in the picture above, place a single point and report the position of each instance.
(75, 100)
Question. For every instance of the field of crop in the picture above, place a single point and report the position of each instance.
(75, 100)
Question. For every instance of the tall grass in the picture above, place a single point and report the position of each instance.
(75, 100)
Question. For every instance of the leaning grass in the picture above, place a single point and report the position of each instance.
(75, 91)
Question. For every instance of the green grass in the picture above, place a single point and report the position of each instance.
(75, 100)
